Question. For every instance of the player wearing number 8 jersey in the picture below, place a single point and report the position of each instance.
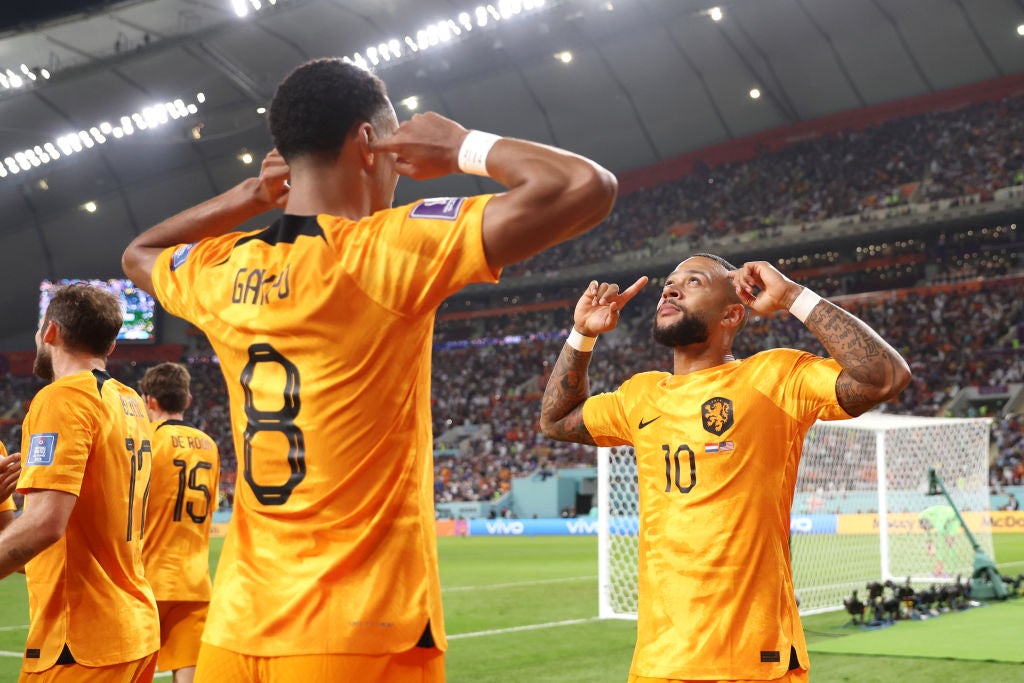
(186, 467)
(323, 326)
(718, 443)
(85, 478)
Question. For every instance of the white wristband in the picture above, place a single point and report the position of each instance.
(474, 151)
(581, 342)
(804, 304)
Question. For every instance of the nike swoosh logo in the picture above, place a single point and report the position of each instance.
(644, 424)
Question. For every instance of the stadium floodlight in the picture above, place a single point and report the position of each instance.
(755, 94)
(442, 32)
(99, 134)
(90, 207)
(411, 103)
(564, 56)
(716, 14)
(1020, 30)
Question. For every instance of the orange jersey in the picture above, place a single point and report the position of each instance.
(182, 500)
(87, 434)
(717, 455)
(323, 328)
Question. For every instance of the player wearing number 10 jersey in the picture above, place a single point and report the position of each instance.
(717, 444)
(85, 478)
(323, 325)
(186, 467)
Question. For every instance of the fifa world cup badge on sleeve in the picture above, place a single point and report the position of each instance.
(41, 449)
(439, 208)
(180, 255)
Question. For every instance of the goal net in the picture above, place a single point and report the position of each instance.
(861, 490)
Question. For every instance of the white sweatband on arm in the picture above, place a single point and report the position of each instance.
(581, 342)
(474, 151)
(804, 304)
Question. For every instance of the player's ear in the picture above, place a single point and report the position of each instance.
(188, 401)
(735, 315)
(111, 349)
(364, 135)
(50, 330)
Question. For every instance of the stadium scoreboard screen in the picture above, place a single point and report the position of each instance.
(137, 307)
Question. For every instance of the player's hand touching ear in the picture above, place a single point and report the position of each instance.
(598, 309)
(426, 146)
(274, 174)
(763, 288)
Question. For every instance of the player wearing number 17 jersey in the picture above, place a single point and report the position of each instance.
(186, 467)
(717, 444)
(323, 324)
(85, 478)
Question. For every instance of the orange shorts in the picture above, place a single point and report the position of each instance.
(181, 630)
(793, 676)
(418, 665)
(139, 671)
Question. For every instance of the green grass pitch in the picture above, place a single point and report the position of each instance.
(522, 610)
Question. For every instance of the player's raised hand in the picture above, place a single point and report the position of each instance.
(10, 469)
(273, 180)
(426, 146)
(763, 288)
(598, 309)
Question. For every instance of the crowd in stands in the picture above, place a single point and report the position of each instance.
(967, 152)
(949, 300)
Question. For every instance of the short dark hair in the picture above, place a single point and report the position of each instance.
(89, 318)
(317, 104)
(168, 383)
(717, 259)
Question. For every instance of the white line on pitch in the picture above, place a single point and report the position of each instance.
(455, 589)
(529, 627)
(14, 628)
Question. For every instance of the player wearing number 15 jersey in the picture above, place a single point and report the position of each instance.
(717, 444)
(323, 324)
(85, 478)
(186, 467)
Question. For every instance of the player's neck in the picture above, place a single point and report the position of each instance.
(688, 359)
(158, 416)
(317, 189)
(67, 363)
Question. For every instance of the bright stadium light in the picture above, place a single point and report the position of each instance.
(564, 56)
(755, 94)
(716, 14)
(412, 103)
(90, 207)
(1020, 30)
(442, 32)
(96, 135)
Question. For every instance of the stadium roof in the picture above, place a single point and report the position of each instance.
(647, 80)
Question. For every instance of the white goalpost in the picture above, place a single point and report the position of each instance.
(861, 488)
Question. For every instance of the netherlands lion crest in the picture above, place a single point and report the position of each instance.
(717, 415)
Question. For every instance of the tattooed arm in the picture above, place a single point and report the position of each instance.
(597, 311)
(561, 412)
(41, 525)
(873, 371)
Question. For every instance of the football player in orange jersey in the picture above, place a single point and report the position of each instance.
(186, 466)
(85, 478)
(717, 445)
(322, 324)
